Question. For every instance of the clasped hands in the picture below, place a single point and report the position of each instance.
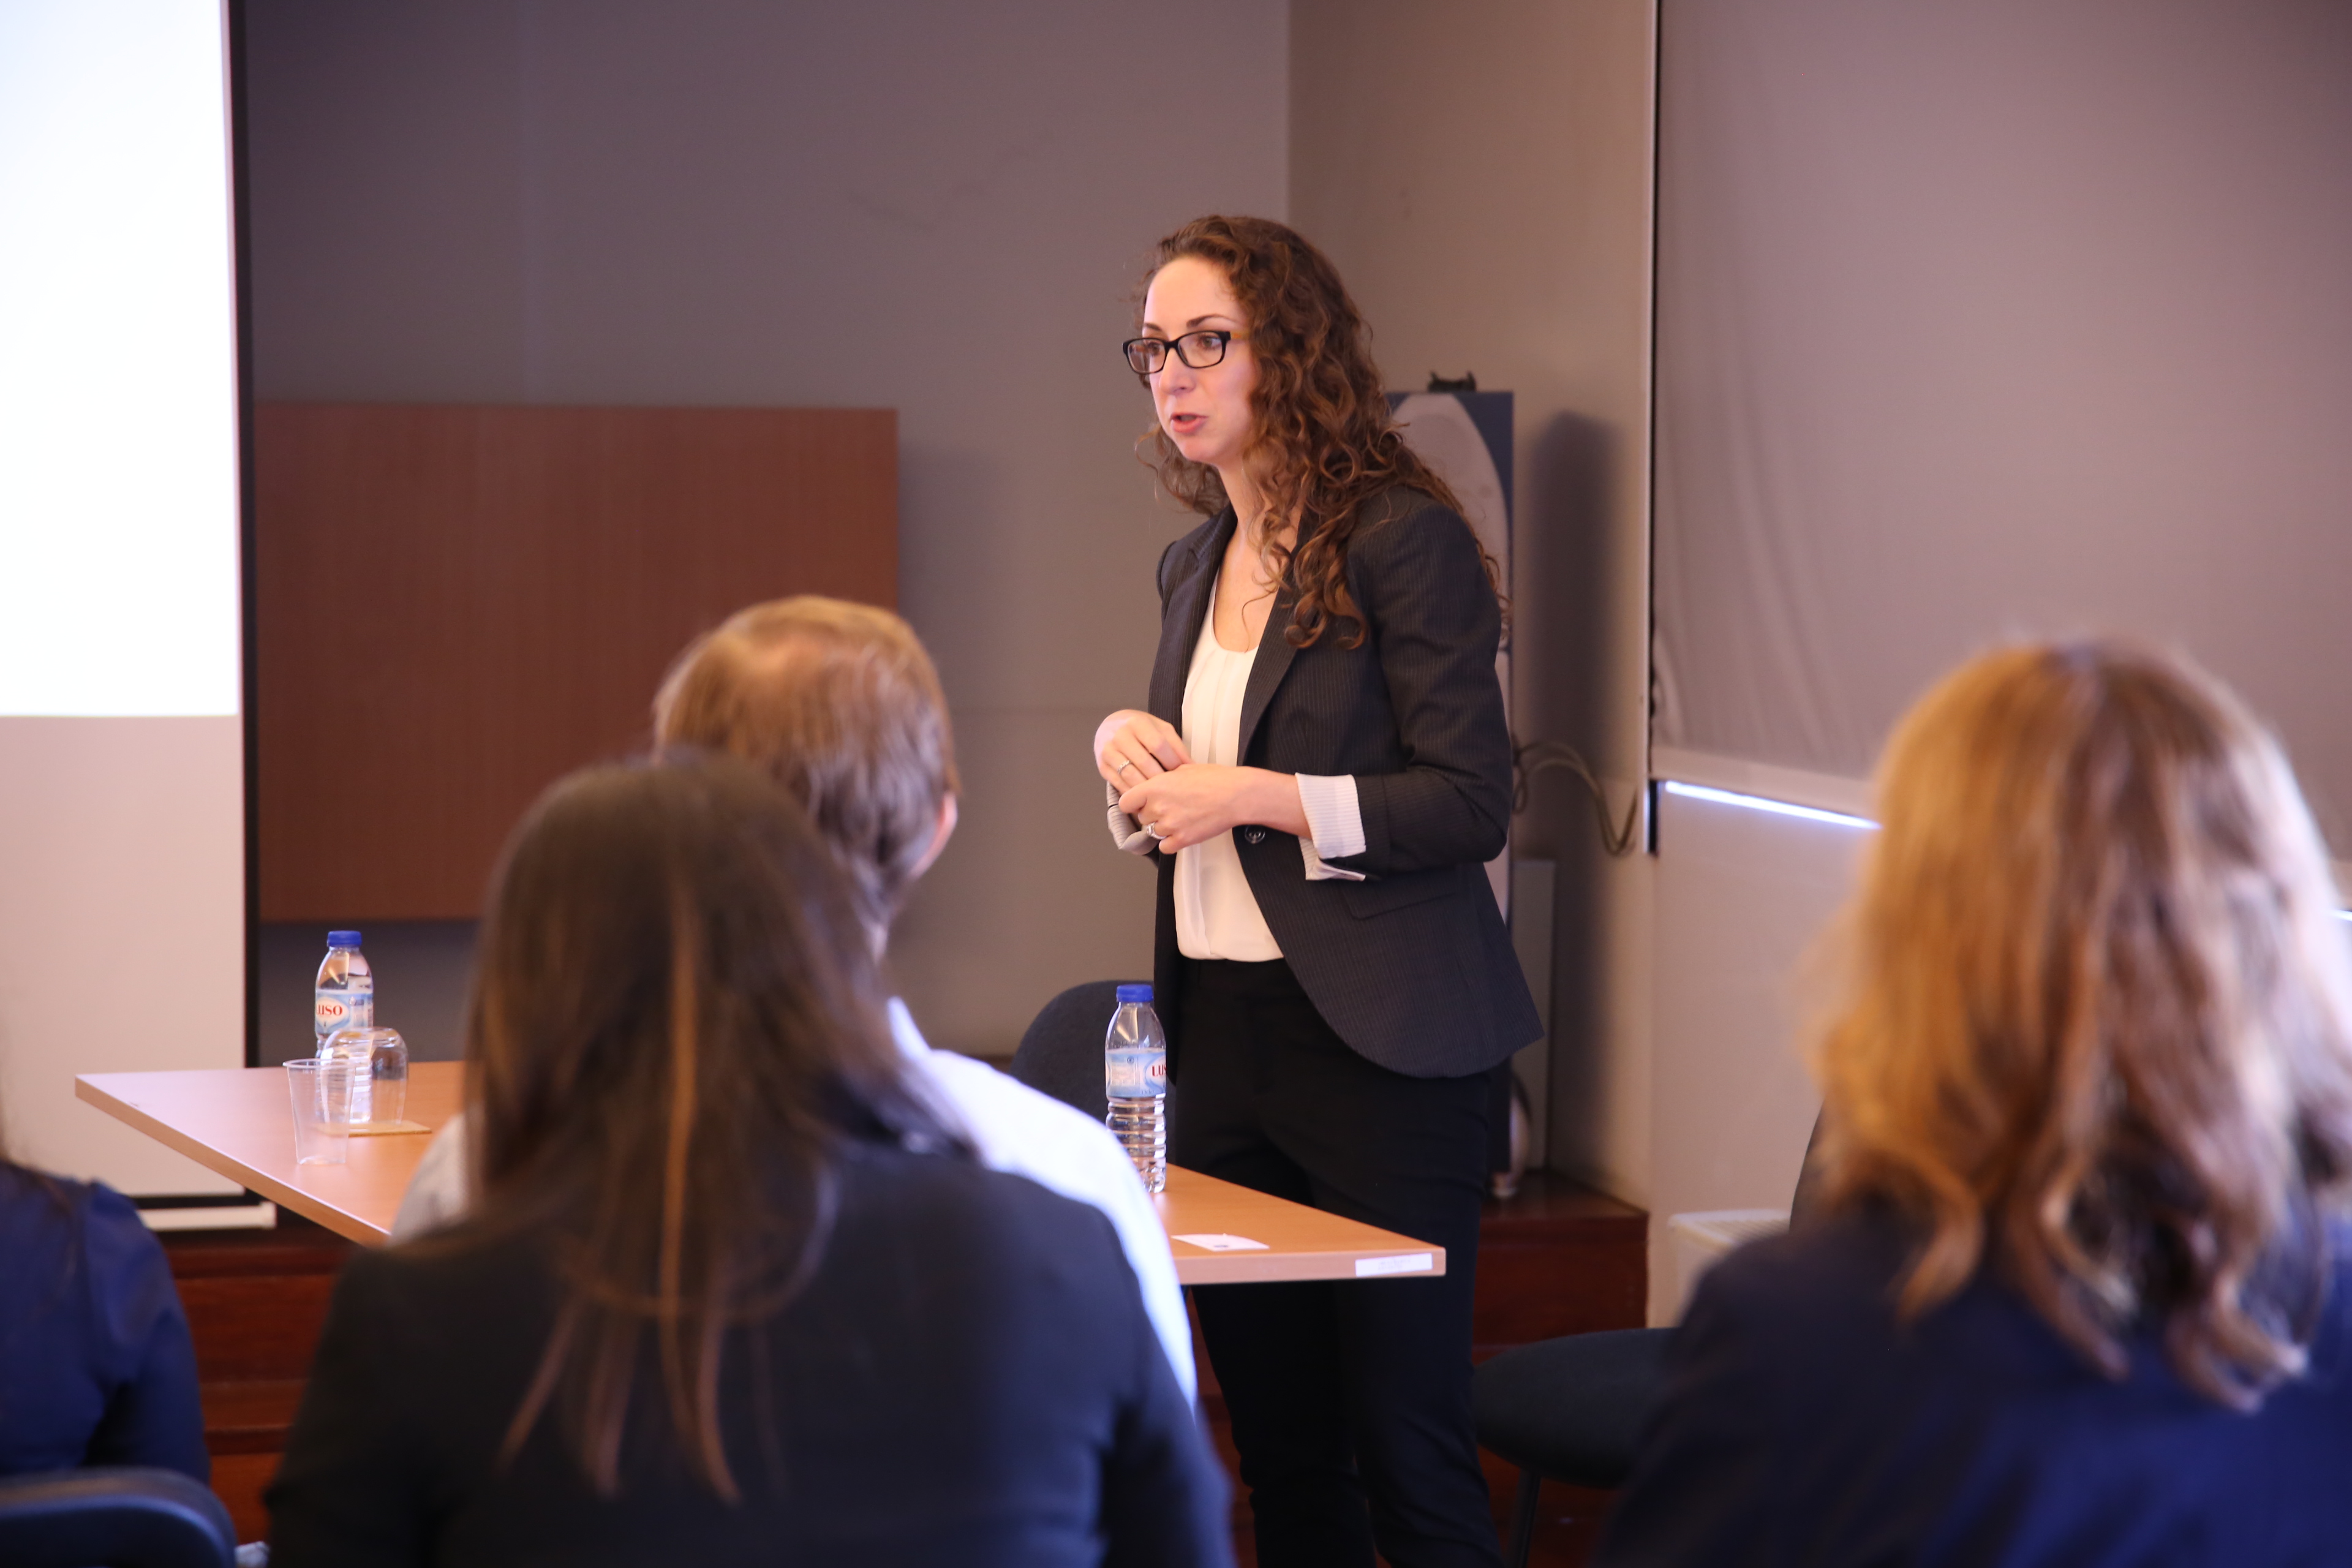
(1179, 801)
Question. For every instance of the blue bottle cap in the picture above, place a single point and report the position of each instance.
(342, 939)
(1134, 994)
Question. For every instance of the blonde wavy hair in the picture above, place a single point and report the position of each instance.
(2096, 1029)
(839, 703)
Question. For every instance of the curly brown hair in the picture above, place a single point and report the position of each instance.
(1319, 413)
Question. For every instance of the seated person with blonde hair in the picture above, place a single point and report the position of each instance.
(2074, 1290)
(840, 704)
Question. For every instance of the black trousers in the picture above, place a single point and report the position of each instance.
(1351, 1399)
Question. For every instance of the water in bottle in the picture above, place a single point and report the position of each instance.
(1135, 1082)
(345, 998)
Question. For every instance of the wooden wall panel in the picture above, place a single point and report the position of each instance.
(456, 605)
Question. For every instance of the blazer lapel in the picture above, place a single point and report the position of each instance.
(1274, 656)
(1179, 626)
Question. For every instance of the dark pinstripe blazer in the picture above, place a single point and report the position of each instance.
(1412, 966)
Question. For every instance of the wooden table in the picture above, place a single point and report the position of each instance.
(239, 1122)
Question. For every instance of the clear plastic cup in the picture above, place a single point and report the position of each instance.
(321, 1092)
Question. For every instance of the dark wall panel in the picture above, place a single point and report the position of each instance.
(459, 605)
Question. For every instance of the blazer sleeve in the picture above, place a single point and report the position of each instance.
(345, 1494)
(1127, 833)
(1164, 1502)
(1434, 619)
(1702, 1489)
(154, 1414)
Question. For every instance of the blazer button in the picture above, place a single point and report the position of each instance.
(1254, 834)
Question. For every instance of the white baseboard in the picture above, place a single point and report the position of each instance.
(212, 1217)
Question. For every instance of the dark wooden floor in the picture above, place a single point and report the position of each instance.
(1555, 1259)
(1567, 1518)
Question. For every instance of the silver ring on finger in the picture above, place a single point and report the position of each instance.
(1124, 767)
(1153, 829)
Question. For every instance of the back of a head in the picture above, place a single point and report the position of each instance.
(2097, 1025)
(675, 1026)
(841, 705)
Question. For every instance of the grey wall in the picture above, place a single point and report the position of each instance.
(942, 208)
(934, 207)
(1974, 320)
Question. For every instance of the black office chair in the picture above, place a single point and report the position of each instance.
(1571, 1409)
(118, 1517)
(1061, 1053)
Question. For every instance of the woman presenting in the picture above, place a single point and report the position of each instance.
(1324, 768)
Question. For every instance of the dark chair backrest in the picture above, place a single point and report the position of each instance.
(122, 1517)
(1809, 1179)
(1062, 1052)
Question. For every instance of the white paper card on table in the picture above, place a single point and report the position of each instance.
(1404, 1263)
(1218, 1241)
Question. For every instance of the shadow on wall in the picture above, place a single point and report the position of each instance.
(1567, 561)
(423, 969)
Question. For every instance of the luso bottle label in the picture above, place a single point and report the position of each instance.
(1135, 1075)
(342, 1010)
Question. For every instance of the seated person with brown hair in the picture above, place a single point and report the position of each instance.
(95, 1365)
(840, 704)
(2075, 1289)
(730, 1289)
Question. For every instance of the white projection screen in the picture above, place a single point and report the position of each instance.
(1994, 319)
(122, 903)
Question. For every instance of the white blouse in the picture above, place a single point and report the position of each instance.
(1216, 914)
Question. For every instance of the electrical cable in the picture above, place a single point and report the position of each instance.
(1539, 756)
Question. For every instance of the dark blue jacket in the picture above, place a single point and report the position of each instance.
(96, 1367)
(968, 1378)
(1803, 1426)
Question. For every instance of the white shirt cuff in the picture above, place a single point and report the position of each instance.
(1334, 820)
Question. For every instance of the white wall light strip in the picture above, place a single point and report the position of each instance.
(1759, 803)
(1785, 808)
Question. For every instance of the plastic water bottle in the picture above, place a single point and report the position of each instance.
(1135, 1082)
(345, 998)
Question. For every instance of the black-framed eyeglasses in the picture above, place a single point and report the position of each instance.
(1199, 349)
